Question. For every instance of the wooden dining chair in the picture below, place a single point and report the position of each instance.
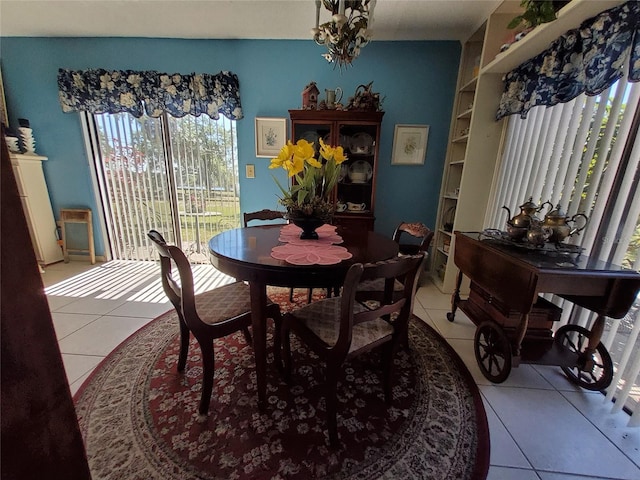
(263, 215)
(340, 328)
(412, 238)
(210, 315)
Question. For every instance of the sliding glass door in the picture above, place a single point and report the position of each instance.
(175, 175)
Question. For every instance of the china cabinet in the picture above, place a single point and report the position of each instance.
(358, 133)
(36, 204)
(475, 137)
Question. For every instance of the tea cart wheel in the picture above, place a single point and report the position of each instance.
(594, 373)
(493, 351)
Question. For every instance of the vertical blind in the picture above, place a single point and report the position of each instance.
(584, 156)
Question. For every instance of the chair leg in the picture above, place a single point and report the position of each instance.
(388, 351)
(286, 350)
(208, 360)
(184, 345)
(277, 339)
(310, 295)
(332, 405)
(247, 335)
(291, 294)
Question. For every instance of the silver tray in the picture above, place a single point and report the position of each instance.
(548, 248)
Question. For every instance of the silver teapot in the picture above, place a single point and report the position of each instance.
(558, 222)
(518, 225)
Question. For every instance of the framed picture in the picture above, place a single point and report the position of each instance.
(409, 144)
(271, 136)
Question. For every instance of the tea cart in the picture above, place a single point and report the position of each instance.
(514, 323)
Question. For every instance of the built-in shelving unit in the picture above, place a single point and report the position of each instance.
(475, 137)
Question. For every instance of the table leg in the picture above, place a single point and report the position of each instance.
(258, 323)
(520, 333)
(455, 298)
(595, 335)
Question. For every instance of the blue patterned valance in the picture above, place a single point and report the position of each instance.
(587, 60)
(115, 91)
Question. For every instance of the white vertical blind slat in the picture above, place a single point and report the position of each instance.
(610, 173)
(605, 145)
(581, 184)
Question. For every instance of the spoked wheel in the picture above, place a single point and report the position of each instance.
(591, 373)
(493, 351)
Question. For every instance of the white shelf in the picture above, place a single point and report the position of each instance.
(457, 163)
(466, 114)
(470, 86)
(460, 139)
(571, 16)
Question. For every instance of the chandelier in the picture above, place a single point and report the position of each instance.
(344, 35)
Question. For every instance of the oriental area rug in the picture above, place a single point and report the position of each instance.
(139, 420)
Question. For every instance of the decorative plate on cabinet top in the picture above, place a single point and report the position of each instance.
(360, 172)
(361, 143)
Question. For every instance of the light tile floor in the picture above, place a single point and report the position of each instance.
(541, 426)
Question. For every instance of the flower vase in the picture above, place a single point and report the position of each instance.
(308, 226)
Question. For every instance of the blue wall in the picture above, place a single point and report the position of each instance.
(416, 79)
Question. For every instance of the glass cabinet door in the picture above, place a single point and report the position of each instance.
(358, 134)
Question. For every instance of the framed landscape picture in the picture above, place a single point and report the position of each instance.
(409, 144)
(271, 136)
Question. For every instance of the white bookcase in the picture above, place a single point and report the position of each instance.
(37, 207)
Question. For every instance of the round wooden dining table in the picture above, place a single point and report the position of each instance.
(245, 254)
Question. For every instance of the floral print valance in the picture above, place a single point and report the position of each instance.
(587, 60)
(153, 93)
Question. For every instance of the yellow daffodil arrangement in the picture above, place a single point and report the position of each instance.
(310, 193)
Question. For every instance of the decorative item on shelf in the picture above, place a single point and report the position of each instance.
(333, 97)
(537, 12)
(308, 200)
(356, 207)
(310, 97)
(13, 143)
(446, 244)
(365, 100)
(26, 137)
(360, 172)
(447, 219)
(344, 35)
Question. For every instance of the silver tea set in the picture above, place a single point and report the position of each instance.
(556, 226)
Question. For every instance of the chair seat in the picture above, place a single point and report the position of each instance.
(224, 302)
(323, 319)
(377, 285)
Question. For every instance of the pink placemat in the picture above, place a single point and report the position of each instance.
(310, 253)
(326, 235)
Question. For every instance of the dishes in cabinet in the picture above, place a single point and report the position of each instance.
(311, 137)
(360, 172)
(361, 143)
(345, 141)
